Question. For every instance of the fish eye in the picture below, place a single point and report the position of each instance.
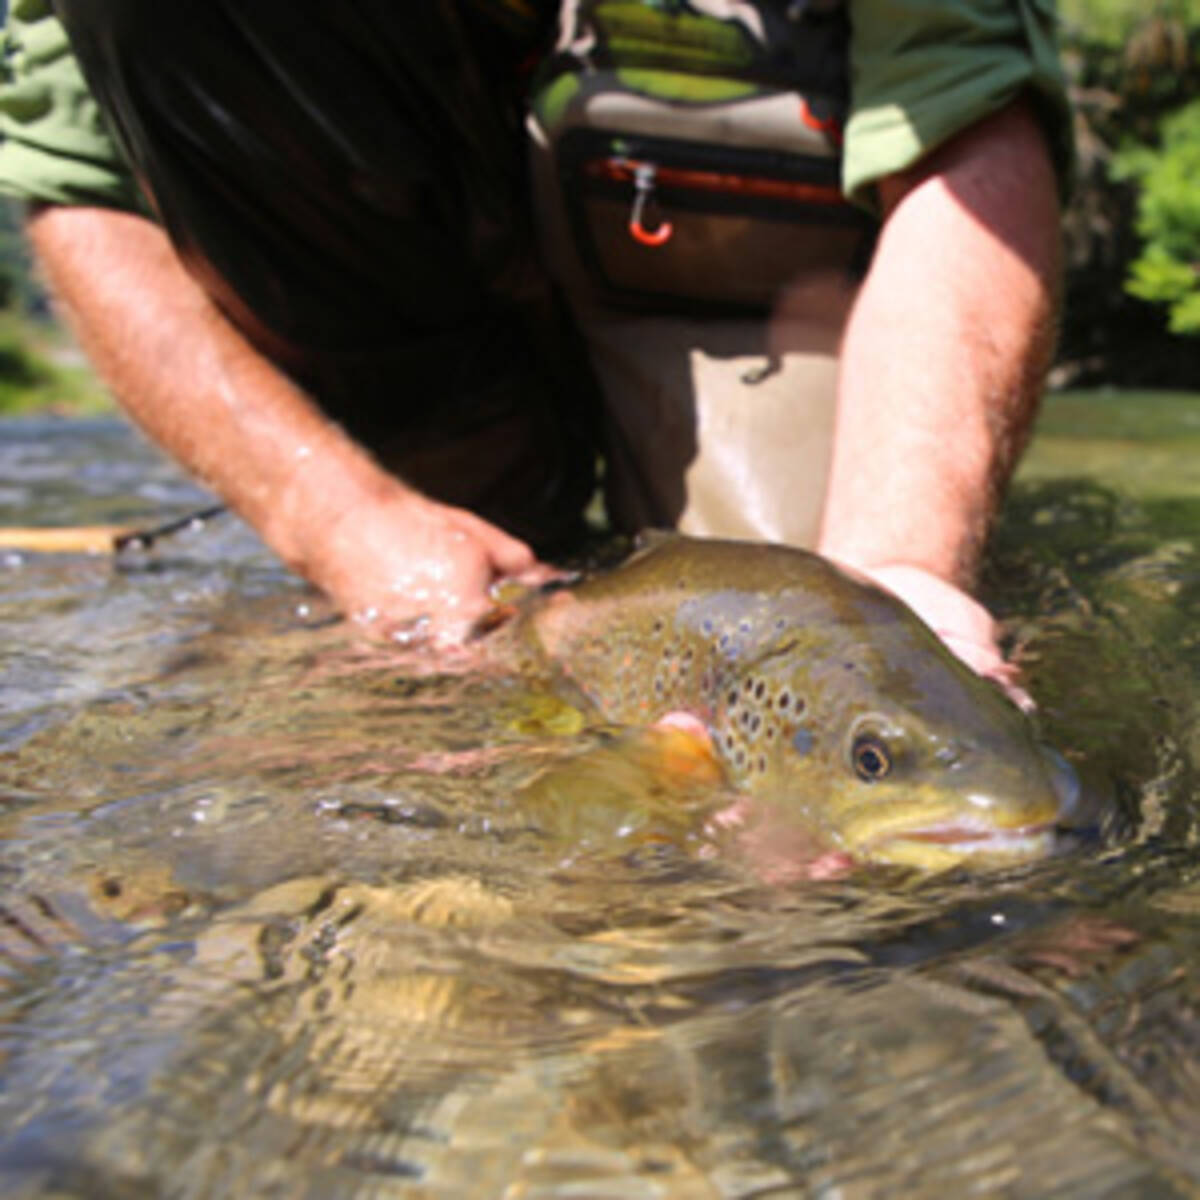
(870, 756)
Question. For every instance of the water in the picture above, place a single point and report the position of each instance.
(281, 916)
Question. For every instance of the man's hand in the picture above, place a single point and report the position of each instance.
(963, 624)
(407, 567)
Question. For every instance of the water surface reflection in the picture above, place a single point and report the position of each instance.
(279, 917)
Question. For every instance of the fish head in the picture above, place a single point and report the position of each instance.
(907, 789)
(894, 749)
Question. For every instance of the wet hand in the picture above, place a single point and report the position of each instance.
(963, 624)
(410, 569)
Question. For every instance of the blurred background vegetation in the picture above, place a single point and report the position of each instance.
(41, 369)
(1132, 305)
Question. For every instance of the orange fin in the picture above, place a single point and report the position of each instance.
(684, 748)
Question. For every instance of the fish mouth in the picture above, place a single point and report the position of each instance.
(935, 841)
(964, 838)
(942, 847)
(936, 844)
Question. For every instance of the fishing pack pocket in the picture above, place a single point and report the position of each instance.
(697, 148)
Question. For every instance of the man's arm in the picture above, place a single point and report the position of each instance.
(942, 368)
(384, 553)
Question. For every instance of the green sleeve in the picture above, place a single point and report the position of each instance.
(54, 145)
(921, 70)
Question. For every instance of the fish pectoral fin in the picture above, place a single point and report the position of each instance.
(643, 785)
(684, 748)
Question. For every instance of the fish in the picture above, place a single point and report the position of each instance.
(816, 690)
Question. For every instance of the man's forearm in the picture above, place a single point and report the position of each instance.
(389, 557)
(944, 355)
(187, 376)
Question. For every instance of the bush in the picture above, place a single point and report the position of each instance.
(1168, 217)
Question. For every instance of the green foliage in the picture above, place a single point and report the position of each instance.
(1168, 217)
(40, 369)
(18, 287)
(41, 372)
(1111, 22)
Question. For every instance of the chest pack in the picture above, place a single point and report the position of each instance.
(697, 147)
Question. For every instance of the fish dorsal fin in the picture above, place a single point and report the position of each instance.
(649, 541)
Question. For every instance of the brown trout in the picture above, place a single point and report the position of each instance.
(817, 689)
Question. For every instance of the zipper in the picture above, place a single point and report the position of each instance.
(646, 177)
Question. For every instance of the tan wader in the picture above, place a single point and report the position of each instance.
(716, 426)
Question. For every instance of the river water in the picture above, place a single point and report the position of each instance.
(279, 918)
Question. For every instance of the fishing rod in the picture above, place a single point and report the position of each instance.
(99, 539)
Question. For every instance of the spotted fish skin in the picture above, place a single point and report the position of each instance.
(818, 689)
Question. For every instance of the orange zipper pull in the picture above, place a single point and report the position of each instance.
(829, 126)
(643, 184)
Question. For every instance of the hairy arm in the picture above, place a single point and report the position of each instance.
(385, 553)
(942, 368)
